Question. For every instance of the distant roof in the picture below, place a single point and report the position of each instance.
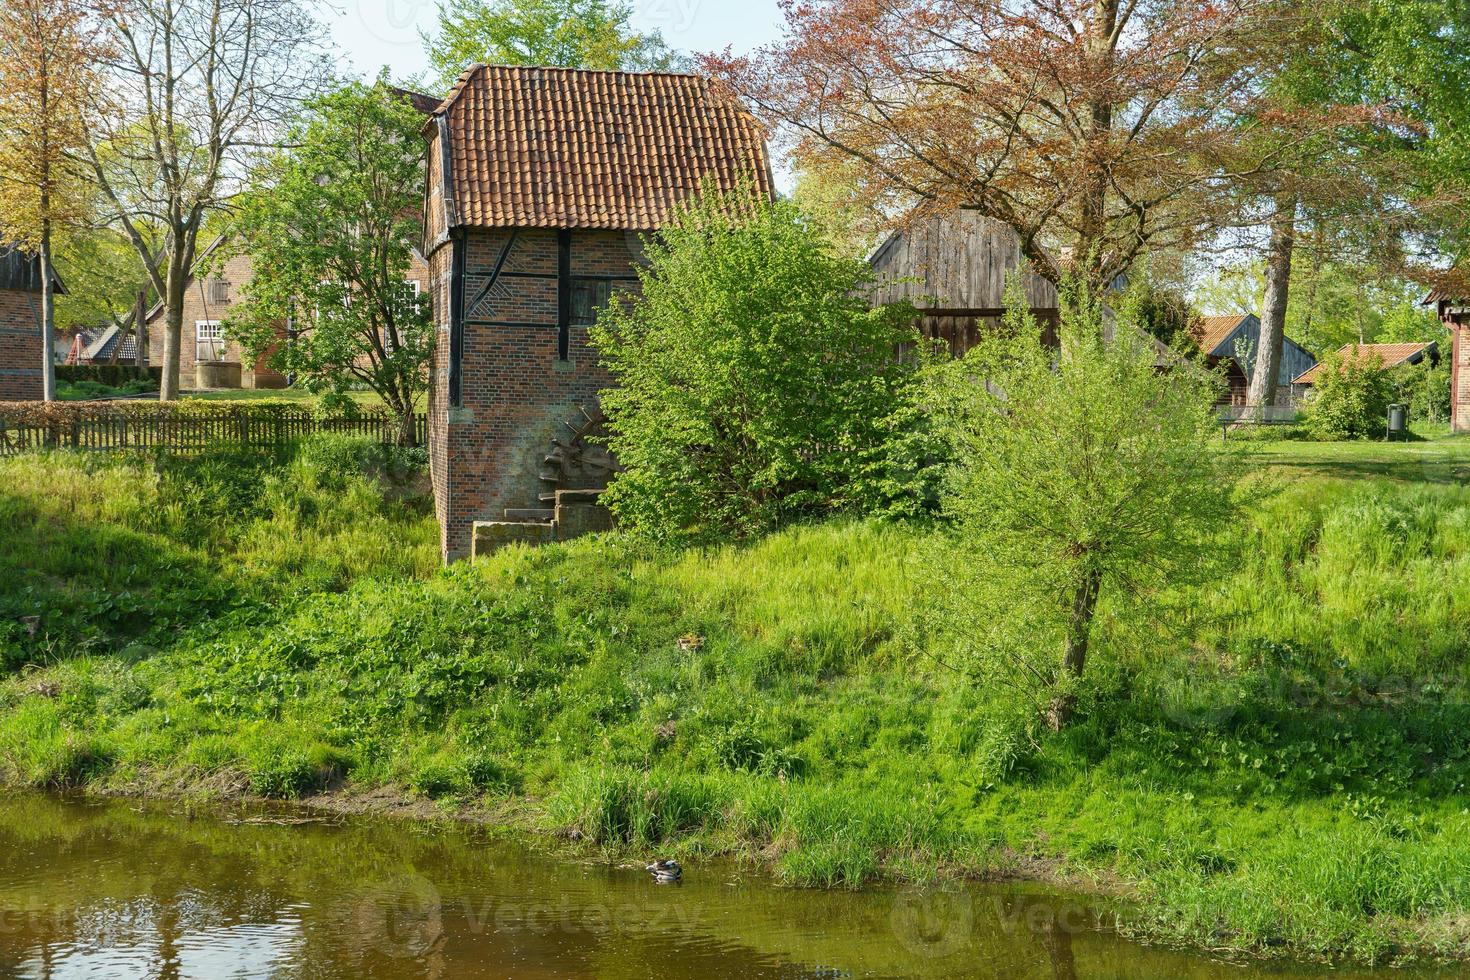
(1214, 330)
(102, 343)
(565, 148)
(1390, 355)
(427, 104)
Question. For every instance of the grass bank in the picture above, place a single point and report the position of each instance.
(1285, 772)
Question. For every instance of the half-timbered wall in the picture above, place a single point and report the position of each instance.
(520, 368)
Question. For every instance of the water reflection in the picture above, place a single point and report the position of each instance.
(122, 890)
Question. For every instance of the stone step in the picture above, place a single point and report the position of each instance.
(530, 514)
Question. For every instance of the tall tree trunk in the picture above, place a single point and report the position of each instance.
(173, 333)
(1265, 375)
(48, 308)
(1074, 647)
(407, 430)
(140, 332)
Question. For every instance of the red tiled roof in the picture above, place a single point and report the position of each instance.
(564, 148)
(1214, 329)
(1390, 355)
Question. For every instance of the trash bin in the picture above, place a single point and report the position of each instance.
(1398, 420)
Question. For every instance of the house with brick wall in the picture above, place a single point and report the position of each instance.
(207, 357)
(21, 367)
(541, 182)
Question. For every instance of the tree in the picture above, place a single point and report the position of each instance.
(102, 273)
(563, 33)
(754, 380)
(47, 49)
(201, 88)
(1086, 483)
(331, 227)
(1376, 187)
(1097, 129)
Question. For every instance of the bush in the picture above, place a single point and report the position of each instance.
(1350, 399)
(755, 381)
(111, 375)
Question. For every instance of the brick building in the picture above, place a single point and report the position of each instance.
(1454, 313)
(21, 377)
(541, 181)
(207, 357)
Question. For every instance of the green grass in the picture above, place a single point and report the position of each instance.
(366, 399)
(1284, 770)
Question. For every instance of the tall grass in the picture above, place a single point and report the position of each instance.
(1281, 764)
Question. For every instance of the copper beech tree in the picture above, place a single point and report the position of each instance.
(1098, 130)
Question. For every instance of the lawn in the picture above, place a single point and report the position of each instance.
(367, 399)
(1278, 765)
(1432, 455)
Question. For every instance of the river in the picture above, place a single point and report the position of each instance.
(115, 889)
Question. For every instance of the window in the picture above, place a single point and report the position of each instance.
(217, 292)
(588, 297)
(209, 340)
(388, 345)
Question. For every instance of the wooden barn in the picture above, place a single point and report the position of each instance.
(1233, 341)
(958, 266)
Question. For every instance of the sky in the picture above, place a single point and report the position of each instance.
(374, 33)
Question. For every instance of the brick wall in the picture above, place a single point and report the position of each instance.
(516, 393)
(20, 346)
(1460, 377)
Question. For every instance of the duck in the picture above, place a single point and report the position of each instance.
(665, 872)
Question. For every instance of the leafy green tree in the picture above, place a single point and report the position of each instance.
(564, 33)
(1081, 483)
(1350, 399)
(755, 382)
(330, 227)
(1425, 387)
(103, 274)
(1167, 314)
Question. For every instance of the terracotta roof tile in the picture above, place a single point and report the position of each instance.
(1391, 355)
(563, 148)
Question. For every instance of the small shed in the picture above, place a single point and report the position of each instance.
(1386, 355)
(955, 269)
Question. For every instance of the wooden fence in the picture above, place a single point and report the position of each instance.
(32, 427)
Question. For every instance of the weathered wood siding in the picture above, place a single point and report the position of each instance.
(961, 262)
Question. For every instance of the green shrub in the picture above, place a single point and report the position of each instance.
(754, 378)
(110, 375)
(1350, 399)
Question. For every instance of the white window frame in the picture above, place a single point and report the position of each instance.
(211, 332)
